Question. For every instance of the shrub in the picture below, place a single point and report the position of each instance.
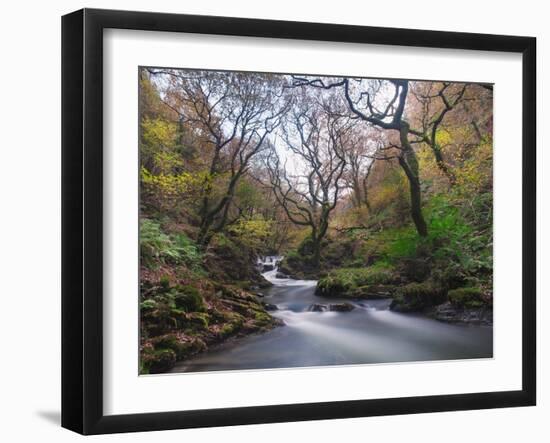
(155, 245)
(148, 305)
(188, 252)
(306, 247)
(459, 251)
(466, 297)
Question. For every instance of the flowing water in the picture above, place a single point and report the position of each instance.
(371, 333)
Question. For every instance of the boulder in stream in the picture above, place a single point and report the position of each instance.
(270, 307)
(317, 307)
(341, 307)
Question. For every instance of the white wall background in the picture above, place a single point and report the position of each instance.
(30, 219)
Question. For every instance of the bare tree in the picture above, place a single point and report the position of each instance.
(316, 138)
(382, 103)
(389, 114)
(437, 100)
(234, 112)
(360, 152)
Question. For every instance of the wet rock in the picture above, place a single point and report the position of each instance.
(267, 267)
(450, 313)
(270, 307)
(298, 267)
(374, 292)
(317, 307)
(281, 275)
(341, 307)
(263, 283)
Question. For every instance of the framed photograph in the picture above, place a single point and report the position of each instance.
(269, 221)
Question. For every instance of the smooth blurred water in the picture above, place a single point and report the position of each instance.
(371, 333)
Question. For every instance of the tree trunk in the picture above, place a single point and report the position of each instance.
(357, 197)
(365, 194)
(443, 166)
(409, 163)
(416, 208)
(316, 256)
(209, 226)
(205, 234)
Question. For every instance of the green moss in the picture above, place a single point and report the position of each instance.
(148, 305)
(417, 296)
(168, 341)
(466, 297)
(374, 291)
(262, 318)
(188, 298)
(344, 281)
(199, 319)
(164, 283)
(161, 360)
(233, 326)
(181, 348)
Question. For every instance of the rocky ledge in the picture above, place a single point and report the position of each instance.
(450, 313)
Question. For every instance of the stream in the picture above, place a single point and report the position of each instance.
(370, 333)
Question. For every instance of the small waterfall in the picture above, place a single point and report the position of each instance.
(269, 267)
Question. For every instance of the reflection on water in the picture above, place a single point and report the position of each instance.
(371, 333)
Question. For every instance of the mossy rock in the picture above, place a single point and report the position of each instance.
(415, 269)
(159, 361)
(374, 292)
(188, 298)
(344, 282)
(216, 315)
(262, 318)
(298, 265)
(230, 260)
(233, 325)
(181, 348)
(198, 320)
(341, 307)
(466, 297)
(418, 296)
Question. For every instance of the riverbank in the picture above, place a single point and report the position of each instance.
(207, 325)
(197, 301)
(429, 296)
(369, 332)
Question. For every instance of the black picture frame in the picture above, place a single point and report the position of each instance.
(82, 218)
